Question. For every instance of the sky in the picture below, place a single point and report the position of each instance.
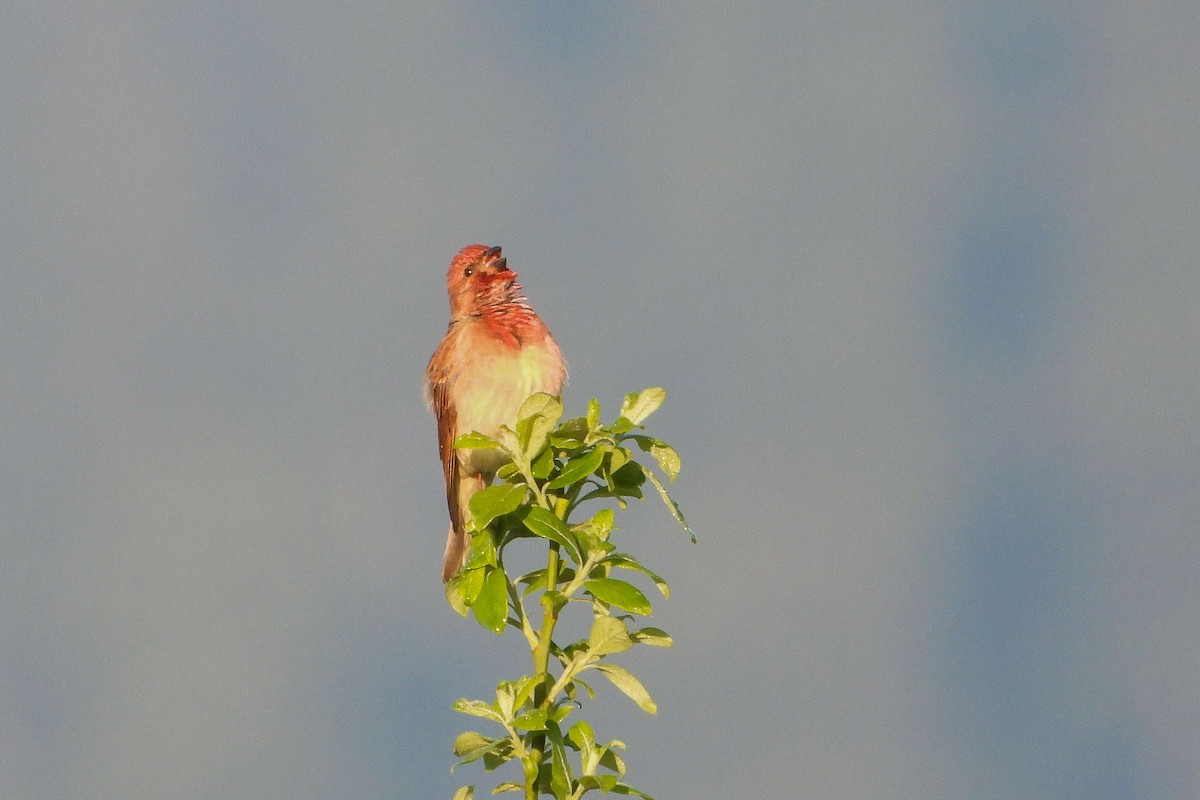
(921, 282)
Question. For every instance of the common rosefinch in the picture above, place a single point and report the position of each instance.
(495, 354)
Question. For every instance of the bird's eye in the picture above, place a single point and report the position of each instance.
(468, 272)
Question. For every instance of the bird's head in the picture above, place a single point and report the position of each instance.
(479, 276)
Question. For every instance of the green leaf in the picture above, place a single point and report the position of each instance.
(663, 453)
(493, 501)
(618, 459)
(465, 793)
(570, 435)
(577, 469)
(602, 522)
(505, 694)
(471, 583)
(582, 735)
(473, 441)
(604, 783)
(543, 465)
(625, 482)
(621, 426)
(618, 593)
(482, 550)
(540, 403)
(507, 787)
(655, 637)
(609, 635)
(469, 741)
(560, 769)
(534, 720)
(593, 414)
(548, 526)
(477, 708)
(525, 686)
(495, 753)
(610, 760)
(639, 405)
(537, 417)
(506, 440)
(577, 683)
(491, 606)
(672, 506)
(631, 687)
(626, 561)
(454, 594)
(493, 759)
(535, 580)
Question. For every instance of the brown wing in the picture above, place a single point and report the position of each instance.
(437, 386)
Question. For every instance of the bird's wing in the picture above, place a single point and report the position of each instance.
(438, 387)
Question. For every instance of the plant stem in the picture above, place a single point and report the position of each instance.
(541, 653)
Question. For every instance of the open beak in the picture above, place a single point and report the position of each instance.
(492, 258)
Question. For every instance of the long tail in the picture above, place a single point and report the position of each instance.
(456, 553)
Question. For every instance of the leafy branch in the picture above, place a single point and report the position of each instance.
(557, 466)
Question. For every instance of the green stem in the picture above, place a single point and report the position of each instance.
(541, 653)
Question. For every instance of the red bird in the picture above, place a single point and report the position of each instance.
(495, 354)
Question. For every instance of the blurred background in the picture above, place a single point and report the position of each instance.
(921, 280)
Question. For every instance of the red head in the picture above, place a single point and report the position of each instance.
(479, 277)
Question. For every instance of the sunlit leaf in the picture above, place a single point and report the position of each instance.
(672, 506)
(477, 708)
(639, 405)
(582, 735)
(604, 783)
(537, 417)
(506, 439)
(622, 425)
(548, 526)
(593, 414)
(618, 459)
(471, 584)
(609, 635)
(560, 769)
(577, 469)
(494, 753)
(543, 465)
(465, 793)
(570, 434)
(655, 637)
(482, 550)
(618, 593)
(469, 741)
(491, 606)
(505, 696)
(534, 720)
(630, 686)
(454, 595)
(473, 441)
(493, 501)
(543, 404)
(524, 688)
(663, 453)
(626, 561)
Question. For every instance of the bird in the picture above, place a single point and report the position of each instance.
(495, 354)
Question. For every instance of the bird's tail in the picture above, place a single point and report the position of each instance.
(456, 553)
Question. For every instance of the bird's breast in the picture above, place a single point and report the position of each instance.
(495, 380)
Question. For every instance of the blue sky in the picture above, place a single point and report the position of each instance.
(920, 280)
